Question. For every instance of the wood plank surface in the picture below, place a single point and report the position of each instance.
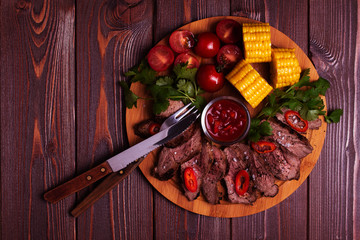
(62, 112)
(112, 36)
(37, 120)
(334, 183)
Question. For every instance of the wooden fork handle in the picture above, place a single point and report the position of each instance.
(104, 187)
(78, 183)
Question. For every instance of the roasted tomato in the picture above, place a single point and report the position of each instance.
(181, 41)
(229, 31)
(295, 121)
(209, 78)
(208, 45)
(242, 181)
(160, 58)
(190, 179)
(263, 146)
(184, 58)
(154, 128)
(228, 56)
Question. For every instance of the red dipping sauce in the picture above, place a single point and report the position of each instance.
(226, 120)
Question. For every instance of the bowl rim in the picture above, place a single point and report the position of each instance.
(205, 110)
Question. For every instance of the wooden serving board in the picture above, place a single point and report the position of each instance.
(171, 189)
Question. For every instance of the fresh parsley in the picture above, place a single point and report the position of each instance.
(303, 97)
(179, 85)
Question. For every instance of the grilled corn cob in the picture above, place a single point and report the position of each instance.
(249, 83)
(285, 68)
(257, 43)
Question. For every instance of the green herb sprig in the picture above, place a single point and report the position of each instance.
(179, 85)
(303, 97)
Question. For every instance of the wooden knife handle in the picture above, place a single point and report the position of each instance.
(78, 183)
(104, 187)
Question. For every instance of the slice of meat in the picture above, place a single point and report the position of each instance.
(264, 180)
(194, 164)
(170, 158)
(142, 129)
(207, 157)
(173, 107)
(315, 124)
(294, 142)
(276, 163)
(213, 176)
(183, 137)
(236, 162)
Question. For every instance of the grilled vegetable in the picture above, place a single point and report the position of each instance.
(249, 82)
(242, 181)
(285, 68)
(257, 43)
(295, 121)
(263, 146)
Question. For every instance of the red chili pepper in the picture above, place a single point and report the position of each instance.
(242, 181)
(263, 146)
(289, 117)
(190, 179)
(154, 128)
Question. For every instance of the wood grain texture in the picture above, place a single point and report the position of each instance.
(111, 38)
(334, 184)
(62, 112)
(37, 120)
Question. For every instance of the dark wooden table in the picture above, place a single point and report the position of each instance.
(62, 112)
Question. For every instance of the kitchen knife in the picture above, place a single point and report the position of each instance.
(119, 161)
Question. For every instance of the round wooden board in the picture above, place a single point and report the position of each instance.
(171, 188)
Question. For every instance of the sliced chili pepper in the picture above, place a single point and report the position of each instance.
(293, 118)
(242, 181)
(263, 146)
(190, 179)
(154, 128)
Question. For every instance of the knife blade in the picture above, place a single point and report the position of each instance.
(119, 161)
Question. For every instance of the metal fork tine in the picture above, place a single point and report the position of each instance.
(178, 112)
(185, 114)
(177, 116)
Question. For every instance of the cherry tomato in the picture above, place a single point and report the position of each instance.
(160, 58)
(228, 56)
(295, 121)
(263, 146)
(209, 79)
(181, 41)
(187, 58)
(229, 31)
(208, 45)
(242, 181)
(154, 128)
(190, 179)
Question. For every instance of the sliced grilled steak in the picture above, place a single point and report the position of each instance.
(276, 162)
(183, 137)
(171, 158)
(236, 162)
(294, 142)
(213, 176)
(173, 107)
(315, 124)
(264, 181)
(194, 164)
(142, 129)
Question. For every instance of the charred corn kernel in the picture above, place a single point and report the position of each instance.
(285, 68)
(257, 43)
(249, 83)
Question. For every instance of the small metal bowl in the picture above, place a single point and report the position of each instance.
(203, 120)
